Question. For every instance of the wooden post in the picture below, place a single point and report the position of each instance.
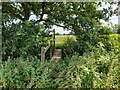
(54, 39)
(51, 48)
(42, 54)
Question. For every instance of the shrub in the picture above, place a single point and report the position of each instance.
(86, 71)
(89, 70)
(95, 69)
(70, 47)
(107, 42)
(23, 39)
(25, 73)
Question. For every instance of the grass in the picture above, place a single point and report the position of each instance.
(60, 39)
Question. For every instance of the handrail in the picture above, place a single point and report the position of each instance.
(45, 49)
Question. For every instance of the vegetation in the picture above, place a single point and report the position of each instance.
(23, 39)
(96, 69)
(61, 39)
(90, 56)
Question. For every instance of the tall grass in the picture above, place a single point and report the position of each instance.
(92, 70)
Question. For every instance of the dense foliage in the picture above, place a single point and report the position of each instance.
(109, 42)
(74, 16)
(88, 71)
(74, 13)
(90, 61)
(97, 69)
(23, 39)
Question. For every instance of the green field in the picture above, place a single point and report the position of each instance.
(60, 39)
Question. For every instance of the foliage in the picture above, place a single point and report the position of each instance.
(116, 28)
(23, 39)
(97, 69)
(114, 42)
(118, 32)
(70, 47)
(88, 71)
(89, 39)
(61, 39)
(25, 73)
(90, 62)
(72, 16)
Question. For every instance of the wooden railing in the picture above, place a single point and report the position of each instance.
(51, 46)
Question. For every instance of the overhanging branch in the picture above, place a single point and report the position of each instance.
(42, 14)
(54, 23)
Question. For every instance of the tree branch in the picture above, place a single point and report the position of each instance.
(57, 24)
(54, 23)
(26, 11)
(42, 14)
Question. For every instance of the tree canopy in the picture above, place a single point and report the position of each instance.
(70, 15)
(82, 18)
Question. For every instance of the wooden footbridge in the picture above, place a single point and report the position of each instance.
(55, 54)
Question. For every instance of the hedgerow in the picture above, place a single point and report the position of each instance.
(92, 70)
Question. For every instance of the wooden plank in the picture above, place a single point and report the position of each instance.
(47, 47)
(54, 39)
(57, 55)
(51, 49)
(42, 54)
(51, 46)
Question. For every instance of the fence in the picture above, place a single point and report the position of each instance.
(51, 46)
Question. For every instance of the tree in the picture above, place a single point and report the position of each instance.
(73, 14)
(23, 39)
(81, 18)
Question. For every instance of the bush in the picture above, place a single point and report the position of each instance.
(23, 39)
(88, 38)
(115, 39)
(70, 47)
(96, 69)
(88, 71)
(25, 73)
(107, 42)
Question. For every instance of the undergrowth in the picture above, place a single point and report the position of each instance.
(92, 70)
